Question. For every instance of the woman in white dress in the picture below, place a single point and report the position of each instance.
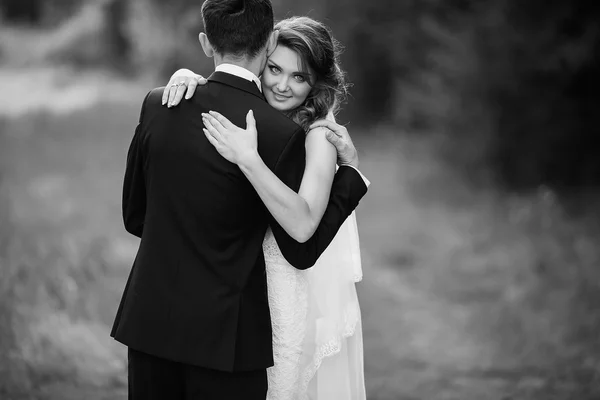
(317, 333)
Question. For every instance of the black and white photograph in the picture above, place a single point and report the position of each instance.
(299, 200)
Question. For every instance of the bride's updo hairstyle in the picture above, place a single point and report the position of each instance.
(319, 51)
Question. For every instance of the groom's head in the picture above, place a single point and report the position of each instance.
(236, 28)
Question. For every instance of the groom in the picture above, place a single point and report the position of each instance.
(194, 313)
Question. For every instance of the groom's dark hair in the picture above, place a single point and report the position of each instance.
(238, 27)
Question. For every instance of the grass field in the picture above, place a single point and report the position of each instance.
(467, 294)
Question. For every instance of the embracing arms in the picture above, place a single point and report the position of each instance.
(304, 223)
(347, 190)
(298, 213)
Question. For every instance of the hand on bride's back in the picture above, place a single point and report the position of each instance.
(183, 81)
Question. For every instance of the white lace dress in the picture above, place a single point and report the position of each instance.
(288, 301)
(317, 334)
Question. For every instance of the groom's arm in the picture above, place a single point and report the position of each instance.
(134, 184)
(347, 190)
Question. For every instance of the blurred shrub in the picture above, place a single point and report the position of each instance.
(50, 319)
(165, 36)
(504, 85)
(10, 376)
(37, 12)
(22, 11)
(543, 90)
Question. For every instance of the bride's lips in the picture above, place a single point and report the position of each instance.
(280, 97)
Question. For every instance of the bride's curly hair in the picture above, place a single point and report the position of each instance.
(319, 51)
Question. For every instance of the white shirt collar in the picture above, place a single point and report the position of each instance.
(240, 72)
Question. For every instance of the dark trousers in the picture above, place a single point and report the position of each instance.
(154, 378)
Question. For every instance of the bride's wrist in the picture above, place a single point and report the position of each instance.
(249, 161)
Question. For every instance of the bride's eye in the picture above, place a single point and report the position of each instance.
(300, 78)
(274, 69)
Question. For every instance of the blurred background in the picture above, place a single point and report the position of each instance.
(474, 121)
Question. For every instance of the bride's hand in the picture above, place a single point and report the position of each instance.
(235, 144)
(182, 81)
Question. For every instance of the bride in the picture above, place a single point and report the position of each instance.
(317, 333)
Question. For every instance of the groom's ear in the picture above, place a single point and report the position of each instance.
(206, 46)
(272, 43)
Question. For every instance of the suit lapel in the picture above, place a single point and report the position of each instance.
(237, 82)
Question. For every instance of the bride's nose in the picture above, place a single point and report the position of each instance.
(282, 85)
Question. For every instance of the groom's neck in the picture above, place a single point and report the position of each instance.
(253, 65)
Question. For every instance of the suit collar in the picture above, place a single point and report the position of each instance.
(236, 82)
(239, 71)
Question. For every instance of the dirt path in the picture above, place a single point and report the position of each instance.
(413, 337)
(428, 285)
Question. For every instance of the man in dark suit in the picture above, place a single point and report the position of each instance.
(194, 313)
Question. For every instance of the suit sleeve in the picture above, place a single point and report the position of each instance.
(134, 184)
(347, 190)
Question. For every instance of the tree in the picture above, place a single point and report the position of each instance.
(22, 11)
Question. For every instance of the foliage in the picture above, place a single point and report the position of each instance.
(36, 12)
(543, 92)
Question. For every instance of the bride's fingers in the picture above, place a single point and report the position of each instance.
(222, 120)
(165, 95)
(172, 91)
(250, 121)
(210, 138)
(181, 88)
(192, 86)
(212, 130)
(167, 91)
(216, 123)
(215, 143)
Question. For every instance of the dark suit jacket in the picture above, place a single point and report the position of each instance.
(197, 291)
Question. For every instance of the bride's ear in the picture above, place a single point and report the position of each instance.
(206, 46)
(272, 43)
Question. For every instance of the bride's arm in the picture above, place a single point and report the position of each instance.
(298, 213)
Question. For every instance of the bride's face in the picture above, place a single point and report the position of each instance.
(284, 84)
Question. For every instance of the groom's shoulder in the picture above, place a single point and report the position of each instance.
(229, 98)
(268, 116)
(152, 99)
(154, 96)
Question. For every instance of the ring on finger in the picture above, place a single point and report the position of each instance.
(180, 83)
